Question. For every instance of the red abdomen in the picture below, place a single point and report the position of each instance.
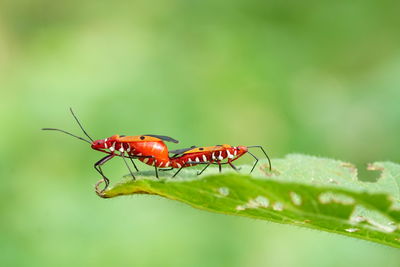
(156, 152)
(192, 157)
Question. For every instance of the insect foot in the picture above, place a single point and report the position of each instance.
(100, 192)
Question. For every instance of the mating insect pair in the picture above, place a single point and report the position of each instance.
(151, 150)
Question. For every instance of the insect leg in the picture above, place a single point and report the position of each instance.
(155, 162)
(167, 169)
(265, 153)
(127, 165)
(155, 167)
(255, 163)
(233, 166)
(184, 165)
(219, 167)
(97, 167)
(199, 173)
(178, 171)
(133, 163)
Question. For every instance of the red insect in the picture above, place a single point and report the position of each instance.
(220, 154)
(148, 148)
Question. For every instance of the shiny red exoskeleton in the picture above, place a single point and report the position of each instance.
(149, 149)
(220, 154)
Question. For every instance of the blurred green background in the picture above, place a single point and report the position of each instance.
(314, 77)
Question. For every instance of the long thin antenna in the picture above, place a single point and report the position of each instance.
(54, 129)
(265, 153)
(80, 125)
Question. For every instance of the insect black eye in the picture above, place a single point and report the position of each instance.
(142, 138)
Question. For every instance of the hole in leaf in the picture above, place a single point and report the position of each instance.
(262, 201)
(224, 191)
(278, 206)
(357, 219)
(329, 197)
(258, 202)
(296, 198)
(372, 219)
(373, 172)
(370, 173)
(352, 230)
(240, 207)
(252, 204)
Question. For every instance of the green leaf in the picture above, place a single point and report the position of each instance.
(317, 193)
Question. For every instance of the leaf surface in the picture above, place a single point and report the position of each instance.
(306, 191)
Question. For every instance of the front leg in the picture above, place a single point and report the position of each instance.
(98, 165)
(255, 163)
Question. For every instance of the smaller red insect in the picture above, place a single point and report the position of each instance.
(219, 155)
(148, 148)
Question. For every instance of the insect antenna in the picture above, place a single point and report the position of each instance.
(265, 153)
(54, 129)
(80, 125)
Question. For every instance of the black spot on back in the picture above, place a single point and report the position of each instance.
(142, 137)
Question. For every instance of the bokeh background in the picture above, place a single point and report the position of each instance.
(315, 77)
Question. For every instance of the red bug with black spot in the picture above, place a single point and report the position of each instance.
(220, 154)
(148, 148)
